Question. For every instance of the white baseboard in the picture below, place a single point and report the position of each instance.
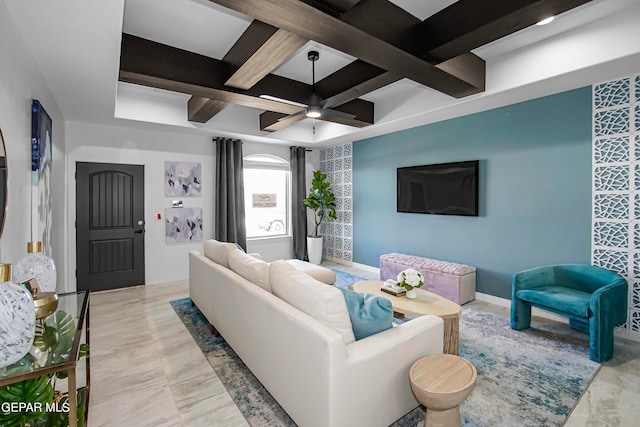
(366, 267)
(337, 260)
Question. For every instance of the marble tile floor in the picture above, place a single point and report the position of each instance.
(146, 370)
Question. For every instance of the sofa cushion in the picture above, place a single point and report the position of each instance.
(369, 314)
(322, 302)
(321, 274)
(218, 251)
(558, 298)
(253, 269)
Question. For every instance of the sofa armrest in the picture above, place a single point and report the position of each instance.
(611, 300)
(427, 328)
(377, 369)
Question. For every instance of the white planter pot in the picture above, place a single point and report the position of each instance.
(314, 249)
(412, 293)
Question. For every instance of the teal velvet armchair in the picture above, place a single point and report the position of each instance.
(594, 300)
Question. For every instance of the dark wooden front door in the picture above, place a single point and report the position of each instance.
(109, 225)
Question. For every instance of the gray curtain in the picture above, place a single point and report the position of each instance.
(298, 209)
(229, 196)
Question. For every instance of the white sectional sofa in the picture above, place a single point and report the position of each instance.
(294, 333)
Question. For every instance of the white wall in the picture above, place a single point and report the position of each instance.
(20, 82)
(164, 262)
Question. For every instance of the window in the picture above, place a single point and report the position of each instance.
(266, 196)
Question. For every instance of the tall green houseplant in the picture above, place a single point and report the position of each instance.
(321, 200)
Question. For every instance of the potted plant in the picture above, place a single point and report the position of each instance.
(322, 202)
(410, 279)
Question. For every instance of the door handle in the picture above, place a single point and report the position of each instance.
(139, 231)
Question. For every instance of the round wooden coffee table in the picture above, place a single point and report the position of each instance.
(441, 382)
(426, 303)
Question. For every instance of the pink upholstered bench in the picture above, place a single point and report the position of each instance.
(455, 282)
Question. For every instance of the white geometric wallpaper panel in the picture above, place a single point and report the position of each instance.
(616, 188)
(337, 163)
(611, 94)
(611, 150)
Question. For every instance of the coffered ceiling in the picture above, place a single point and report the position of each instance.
(241, 68)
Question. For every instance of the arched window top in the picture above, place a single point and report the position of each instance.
(265, 161)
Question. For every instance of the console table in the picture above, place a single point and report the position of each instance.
(37, 363)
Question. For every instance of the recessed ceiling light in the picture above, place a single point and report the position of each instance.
(546, 21)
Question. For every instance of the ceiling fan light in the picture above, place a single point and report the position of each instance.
(313, 112)
(546, 20)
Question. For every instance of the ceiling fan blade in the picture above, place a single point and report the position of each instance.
(341, 98)
(290, 116)
(328, 113)
(284, 101)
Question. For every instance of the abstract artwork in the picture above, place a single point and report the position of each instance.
(41, 198)
(183, 224)
(182, 179)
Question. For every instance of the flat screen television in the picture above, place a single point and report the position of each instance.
(444, 189)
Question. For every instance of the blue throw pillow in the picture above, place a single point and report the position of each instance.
(369, 314)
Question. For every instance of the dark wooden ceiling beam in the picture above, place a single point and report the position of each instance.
(204, 91)
(271, 121)
(467, 67)
(253, 57)
(333, 7)
(469, 24)
(390, 23)
(201, 110)
(257, 52)
(385, 21)
(353, 74)
(308, 22)
(156, 65)
(153, 64)
(256, 34)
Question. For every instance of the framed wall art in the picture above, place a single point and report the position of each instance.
(41, 157)
(183, 224)
(182, 179)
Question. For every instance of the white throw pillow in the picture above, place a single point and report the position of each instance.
(218, 251)
(253, 269)
(322, 302)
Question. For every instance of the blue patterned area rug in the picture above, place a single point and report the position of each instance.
(525, 378)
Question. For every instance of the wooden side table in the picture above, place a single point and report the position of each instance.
(441, 382)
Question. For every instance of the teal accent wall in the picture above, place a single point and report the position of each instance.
(534, 198)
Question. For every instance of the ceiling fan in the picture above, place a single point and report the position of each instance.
(316, 107)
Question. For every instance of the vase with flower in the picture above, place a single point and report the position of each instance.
(410, 279)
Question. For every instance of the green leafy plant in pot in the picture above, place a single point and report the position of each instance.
(322, 202)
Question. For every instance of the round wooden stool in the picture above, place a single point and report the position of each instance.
(441, 382)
